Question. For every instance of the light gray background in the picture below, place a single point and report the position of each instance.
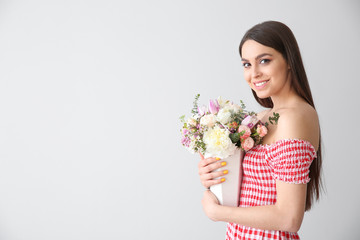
(91, 92)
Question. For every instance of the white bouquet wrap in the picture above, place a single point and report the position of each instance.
(228, 192)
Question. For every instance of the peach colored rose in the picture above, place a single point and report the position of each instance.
(246, 131)
(262, 130)
(248, 144)
(191, 121)
(208, 120)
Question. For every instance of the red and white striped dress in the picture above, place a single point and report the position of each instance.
(287, 160)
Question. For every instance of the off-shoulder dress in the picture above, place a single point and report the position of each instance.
(287, 160)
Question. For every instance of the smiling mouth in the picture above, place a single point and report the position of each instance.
(259, 84)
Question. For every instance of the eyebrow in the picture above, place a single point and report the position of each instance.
(259, 56)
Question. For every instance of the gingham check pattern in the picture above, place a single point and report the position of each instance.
(287, 160)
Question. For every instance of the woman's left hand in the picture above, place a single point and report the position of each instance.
(210, 205)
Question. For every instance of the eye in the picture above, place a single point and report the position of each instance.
(246, 65)
(264, 61)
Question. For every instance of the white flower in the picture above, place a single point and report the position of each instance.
(224, 116)
(202, 110)
(208, 120)
(221, 102)
(218, 143)
(234, 107)
(191, 148)
(192, 144)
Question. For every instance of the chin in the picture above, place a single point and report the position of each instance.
(262, 95)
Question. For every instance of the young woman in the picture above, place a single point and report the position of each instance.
(281, 177)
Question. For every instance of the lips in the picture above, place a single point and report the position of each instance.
(260, 84)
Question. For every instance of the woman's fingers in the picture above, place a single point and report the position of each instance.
(204, 162)
(213, 175)
(208, 175)
(213, 178)
(209, 165)
(210, 183)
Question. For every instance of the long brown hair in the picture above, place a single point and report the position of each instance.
(279, 37)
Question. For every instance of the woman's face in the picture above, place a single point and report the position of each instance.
(265, 69)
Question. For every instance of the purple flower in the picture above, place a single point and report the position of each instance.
(250, 121)
(214, 106)
(185, 131)
(185, 141)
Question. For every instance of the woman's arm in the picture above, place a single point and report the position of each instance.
(285, 215)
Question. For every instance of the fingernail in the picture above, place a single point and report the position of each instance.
(222, 180)
(225, 172)
(223, 163)
(217, 158)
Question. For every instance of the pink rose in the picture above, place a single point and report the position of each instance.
(262, 130)
(248, 144)
(244, 131)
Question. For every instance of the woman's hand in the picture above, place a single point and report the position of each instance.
(210, 205)
(206, 168)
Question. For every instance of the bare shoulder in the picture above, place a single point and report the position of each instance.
(299, 123)
(262, 114)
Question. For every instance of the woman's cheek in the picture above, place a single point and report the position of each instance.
(247, 79)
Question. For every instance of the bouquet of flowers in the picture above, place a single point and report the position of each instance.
(220, 128)
(224, 130)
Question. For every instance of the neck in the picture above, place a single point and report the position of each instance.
(286, 97)
(285, 100)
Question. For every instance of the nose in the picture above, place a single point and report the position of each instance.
(255, 72)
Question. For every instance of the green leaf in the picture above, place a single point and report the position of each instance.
(235, 137)
(242, 104)
(182, 118)
(194, 110)
(274, 118)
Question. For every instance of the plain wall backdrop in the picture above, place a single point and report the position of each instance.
(90, 98)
